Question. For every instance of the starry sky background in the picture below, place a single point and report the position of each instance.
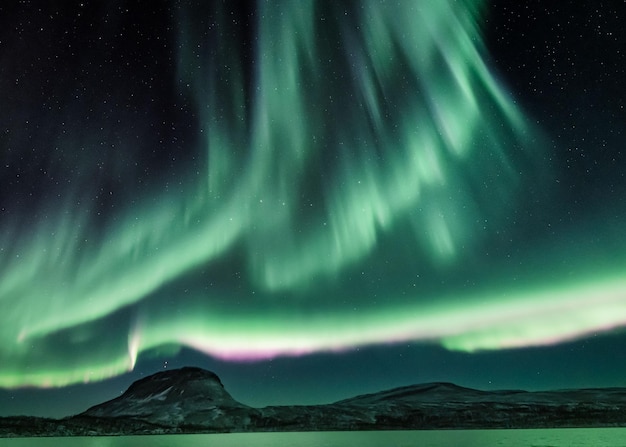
(312, 200)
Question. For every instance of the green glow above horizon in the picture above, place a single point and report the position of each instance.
(415, 146)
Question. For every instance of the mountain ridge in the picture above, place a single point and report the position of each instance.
(194, 400)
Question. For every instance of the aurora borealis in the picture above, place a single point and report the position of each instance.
(281, 180)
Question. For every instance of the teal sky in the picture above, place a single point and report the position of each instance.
(292, 182)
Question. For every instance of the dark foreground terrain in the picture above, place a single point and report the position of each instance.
(193, 400)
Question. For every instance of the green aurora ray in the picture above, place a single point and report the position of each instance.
(355, 195)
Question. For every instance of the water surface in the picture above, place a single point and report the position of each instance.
(568, 437)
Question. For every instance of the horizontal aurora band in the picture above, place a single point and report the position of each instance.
(343, 204)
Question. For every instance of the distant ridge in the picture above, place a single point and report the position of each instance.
(193, 400)
(425, 392)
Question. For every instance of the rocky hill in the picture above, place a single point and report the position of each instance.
(174, 398)
(192, 400)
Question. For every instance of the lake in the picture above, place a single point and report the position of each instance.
(567, 437)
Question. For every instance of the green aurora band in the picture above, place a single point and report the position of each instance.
(349, 199)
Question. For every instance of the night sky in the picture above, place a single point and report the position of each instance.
(312, 199)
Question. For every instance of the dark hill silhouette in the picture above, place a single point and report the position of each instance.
(193, 400)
